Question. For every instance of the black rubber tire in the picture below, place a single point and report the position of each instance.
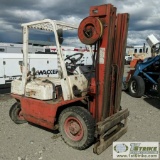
(138, 90)
(13, 113)
(87, 122)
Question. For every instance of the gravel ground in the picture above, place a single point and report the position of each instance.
(28, 142)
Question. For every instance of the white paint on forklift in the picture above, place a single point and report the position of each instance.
(101, 55)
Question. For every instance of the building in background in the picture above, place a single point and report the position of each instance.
(139, 51)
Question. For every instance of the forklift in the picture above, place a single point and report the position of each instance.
(82, 103)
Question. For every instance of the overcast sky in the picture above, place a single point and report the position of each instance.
(144, 16)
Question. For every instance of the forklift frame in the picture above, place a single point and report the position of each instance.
(104, 92)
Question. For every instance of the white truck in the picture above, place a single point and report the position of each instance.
(128, 59)
(10, 67)
(17, 48)
(67, 51)
(44, 60)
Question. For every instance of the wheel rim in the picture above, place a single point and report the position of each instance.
(73, 129)
(133, 86)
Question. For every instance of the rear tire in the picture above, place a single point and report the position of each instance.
(136, 87)
(77, 127)
(15, 114)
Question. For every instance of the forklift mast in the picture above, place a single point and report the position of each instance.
(108, 32)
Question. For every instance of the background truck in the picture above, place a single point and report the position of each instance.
(17, 48)
(43, 58)
(128, 59)
(68, 50)
(10, 66)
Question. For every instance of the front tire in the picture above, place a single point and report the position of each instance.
(16, 114)
(136, 86)
(77, 127)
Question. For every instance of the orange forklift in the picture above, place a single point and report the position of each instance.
(82, 103)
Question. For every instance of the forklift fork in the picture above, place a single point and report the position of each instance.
(110, 130)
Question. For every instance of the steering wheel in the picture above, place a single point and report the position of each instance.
(72, 64)
(74, 60)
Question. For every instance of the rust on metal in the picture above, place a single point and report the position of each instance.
(101, 145)
(90, 31)
(110, 122)
(106, 89)
(42, 113)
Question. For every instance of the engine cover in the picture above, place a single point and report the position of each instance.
(39, 90)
